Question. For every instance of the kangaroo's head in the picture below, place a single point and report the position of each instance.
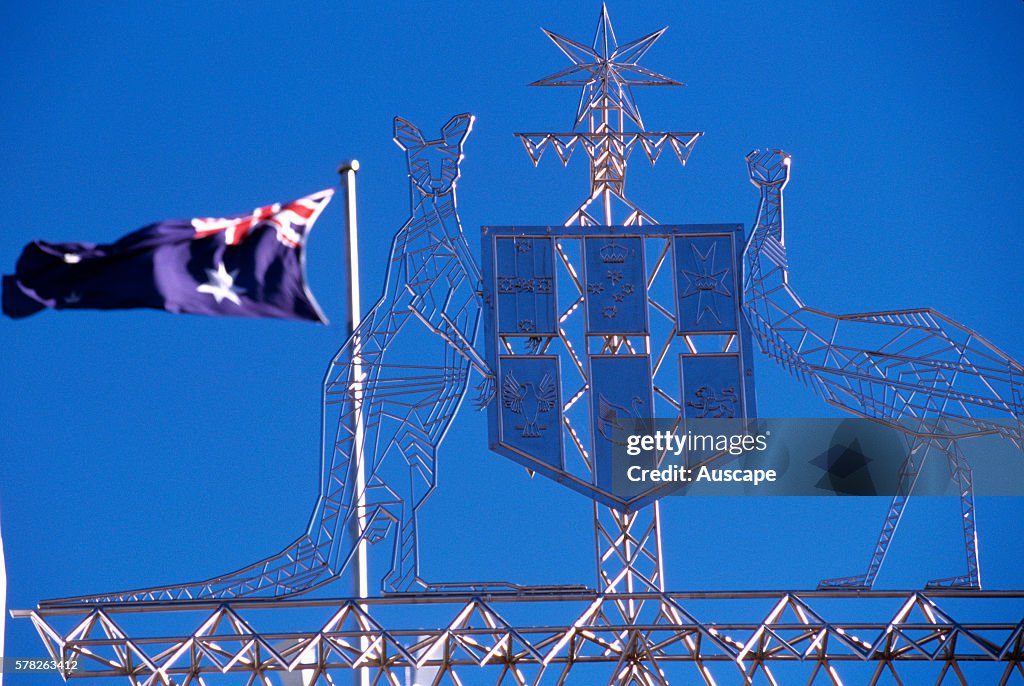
(768, 168)
(433, 165)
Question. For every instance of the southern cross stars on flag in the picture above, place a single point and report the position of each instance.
(247, 265)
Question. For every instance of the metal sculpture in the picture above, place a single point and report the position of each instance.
(606, 75)
(615, 306)
(415, 350)
(628, 544)
(389, 396)
(915, 370)
(387, 412)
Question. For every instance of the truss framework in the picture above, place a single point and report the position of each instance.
(715, 637)
(627, 546)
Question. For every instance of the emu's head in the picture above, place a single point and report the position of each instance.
(768, 168)
(433, 165)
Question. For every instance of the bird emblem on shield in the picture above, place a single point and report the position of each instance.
(530, 400)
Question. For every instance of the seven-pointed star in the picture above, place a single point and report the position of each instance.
(221, 285)
(606, 70)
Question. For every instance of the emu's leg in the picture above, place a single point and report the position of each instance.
(909, 472)
(963, 477)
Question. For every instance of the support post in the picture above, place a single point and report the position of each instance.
(360, 581)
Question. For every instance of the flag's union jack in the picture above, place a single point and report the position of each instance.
(289, 221)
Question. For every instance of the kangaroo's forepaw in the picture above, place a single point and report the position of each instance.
(485, 393)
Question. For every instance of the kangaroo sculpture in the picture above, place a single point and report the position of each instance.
(915, 370)
(416, 352)
(389, 397)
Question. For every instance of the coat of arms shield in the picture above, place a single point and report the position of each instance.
(596, 331)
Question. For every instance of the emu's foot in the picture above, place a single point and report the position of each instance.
(395, 582)
(964, 581)
(421, 586)
(854, 583)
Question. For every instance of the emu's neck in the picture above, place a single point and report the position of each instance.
(773, 310)
(766, 271)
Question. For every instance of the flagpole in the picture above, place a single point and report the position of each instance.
(360, 582)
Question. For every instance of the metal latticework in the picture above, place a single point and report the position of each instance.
(711, 638)
(606, 74)
(915, 370)
(628, 545)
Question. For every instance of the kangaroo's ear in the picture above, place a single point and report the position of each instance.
(407, 135)
(457, 128)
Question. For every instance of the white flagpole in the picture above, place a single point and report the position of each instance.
(360, 584)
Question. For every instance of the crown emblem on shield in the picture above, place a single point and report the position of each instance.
(613, 253)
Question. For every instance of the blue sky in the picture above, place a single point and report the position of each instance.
(142, 448)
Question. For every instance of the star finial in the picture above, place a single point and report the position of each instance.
(607, 70)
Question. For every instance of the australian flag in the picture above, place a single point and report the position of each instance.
(249, 265)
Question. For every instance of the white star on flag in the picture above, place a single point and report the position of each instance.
(221, 285)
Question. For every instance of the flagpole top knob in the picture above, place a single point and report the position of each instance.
(348, 165)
